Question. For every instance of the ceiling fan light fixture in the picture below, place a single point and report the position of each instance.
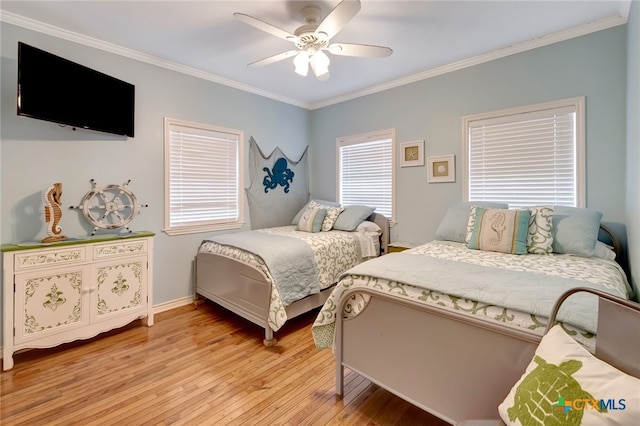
(301, 62)
(313, 37)
(320, 64)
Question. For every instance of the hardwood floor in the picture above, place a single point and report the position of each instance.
(198, 365)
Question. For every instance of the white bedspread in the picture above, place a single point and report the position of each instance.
(511, 289)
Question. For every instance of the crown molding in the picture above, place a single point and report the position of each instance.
(546, 40)
(61, 33)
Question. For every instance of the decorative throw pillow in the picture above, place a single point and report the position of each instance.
(296, 218)
(311, 220)
(500, 230)
(332, 214)
(540, 234)
(565, 385)
(352, 216)
(453, 226)
(575, 230)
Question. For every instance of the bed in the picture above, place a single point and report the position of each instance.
(252, 274)
(449, 328)
(609, 378)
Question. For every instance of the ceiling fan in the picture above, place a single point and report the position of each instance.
(313, 39)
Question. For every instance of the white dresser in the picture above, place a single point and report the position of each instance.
(74, 289)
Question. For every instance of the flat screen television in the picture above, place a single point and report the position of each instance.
(55, 89)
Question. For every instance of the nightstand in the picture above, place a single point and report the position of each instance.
(398, 246)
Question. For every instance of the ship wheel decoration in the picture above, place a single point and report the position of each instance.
(109, 207)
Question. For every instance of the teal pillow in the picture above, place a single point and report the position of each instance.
(500, 230)
(352, 216)
(453, 226)
(311, 220)
(575, 230)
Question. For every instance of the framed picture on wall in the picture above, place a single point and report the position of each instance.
(412, 153)
(441, 169)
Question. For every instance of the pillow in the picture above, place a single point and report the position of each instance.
(540, 233)
(352, 216)
(332, 214)
(311, 220)
(500, 230)
(565, 385)
(368, 226)
(604, 251)
(296, 218)
(453, 226)
(575, 230)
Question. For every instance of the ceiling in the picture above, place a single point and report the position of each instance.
(203, 38)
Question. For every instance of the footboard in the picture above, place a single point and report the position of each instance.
(451, 366)
(245, 291)
(235, 286)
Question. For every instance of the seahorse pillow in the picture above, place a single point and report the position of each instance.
(311, 220)
(565, 385)
(331, 216)
(453, 226)
(500, 230)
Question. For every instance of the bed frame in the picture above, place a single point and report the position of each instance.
(450, 365)
(245, 291)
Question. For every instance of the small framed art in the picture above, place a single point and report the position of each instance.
(412, 153)
(441, 169)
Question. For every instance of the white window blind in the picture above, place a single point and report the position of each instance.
(203, 177)
(365, 171)
(528, 157)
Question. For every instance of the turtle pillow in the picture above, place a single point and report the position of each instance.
(566, 385)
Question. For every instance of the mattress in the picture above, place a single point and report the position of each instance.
(514, 290)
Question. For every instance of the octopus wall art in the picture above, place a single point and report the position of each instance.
(281, 175)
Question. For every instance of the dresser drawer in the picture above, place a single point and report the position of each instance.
(119, 248)
(27, 260)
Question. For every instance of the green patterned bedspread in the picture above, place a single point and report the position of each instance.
(515, 290)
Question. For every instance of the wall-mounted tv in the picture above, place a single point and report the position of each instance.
(55, 89)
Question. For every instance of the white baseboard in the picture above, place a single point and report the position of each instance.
(159, 308)
(173, 304)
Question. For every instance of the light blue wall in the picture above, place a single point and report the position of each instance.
(35, 154)
(633, 141)
(593, 66)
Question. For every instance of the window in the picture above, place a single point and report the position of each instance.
(203, 178)
(366, 169)
(527, 156)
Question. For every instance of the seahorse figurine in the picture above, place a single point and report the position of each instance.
(53, 213)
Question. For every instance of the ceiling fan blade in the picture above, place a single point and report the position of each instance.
(266, 27)
(338, 17)
(274, 58)
(360, 50)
